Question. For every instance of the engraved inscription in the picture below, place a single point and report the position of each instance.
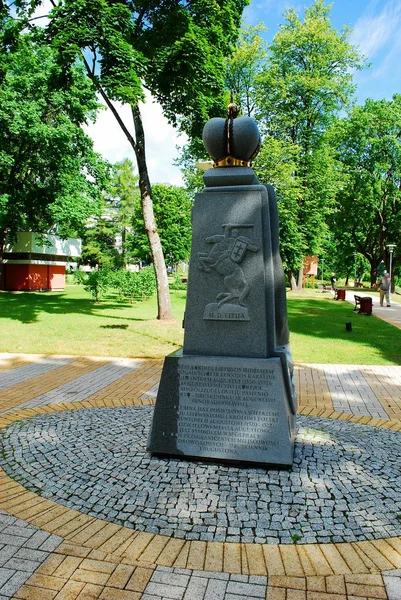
(228, 250)
(228, 409)
(227, 312)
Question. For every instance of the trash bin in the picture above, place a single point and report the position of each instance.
(365, 307)
(340, 295)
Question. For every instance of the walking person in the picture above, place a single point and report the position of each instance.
(384, 289)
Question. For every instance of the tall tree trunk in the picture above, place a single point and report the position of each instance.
(300, 277)
(123, 246)
(293, 281)
(372, 274)
(163, 293)
(138, 145)
(2, 243)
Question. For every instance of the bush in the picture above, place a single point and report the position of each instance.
(177, 283)
(97, 283)
(79, 277)
(135, 286)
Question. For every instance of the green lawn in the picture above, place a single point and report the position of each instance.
(318, 334)
(70, 323)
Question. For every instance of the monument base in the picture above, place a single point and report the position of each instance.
(224, 409)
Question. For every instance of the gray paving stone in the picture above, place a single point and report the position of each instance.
(5, 575)
(6, 553)
(12, 540)
(236, 597)
(215, 590)
(17, 531)
(170, 578)
(393, 587)
(37, 539)
(248, 590)
(29, 554)
(240, 578)
(6, 519)
(196, 588)
(211, 575)
(51, 543)
(14, 583)
(20, 564)
(315, 500)
(159, 590)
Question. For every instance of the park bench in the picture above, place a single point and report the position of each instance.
(364, 303)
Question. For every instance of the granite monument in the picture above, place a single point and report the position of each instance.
(228, 395)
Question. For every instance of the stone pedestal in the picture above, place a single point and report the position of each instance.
(228, 409)
(229, 395)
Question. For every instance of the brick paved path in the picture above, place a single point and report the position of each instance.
(49, 551)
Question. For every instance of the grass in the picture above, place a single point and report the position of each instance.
(70, 323)
(318, 334)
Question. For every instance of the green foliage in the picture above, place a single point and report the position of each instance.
(79, 277)
(125, 192)
(368, 214)
(305, 82)
(134, 285)
(98, 283)
(307, 78)
(276, 164)
(105, 240)
(172, 208)
(296, 538)
(177, 283)
(170, 45)
(49, 172)
(243, 67)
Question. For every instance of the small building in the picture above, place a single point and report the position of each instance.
(31, 265)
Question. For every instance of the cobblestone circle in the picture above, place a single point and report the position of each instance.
(344, 485)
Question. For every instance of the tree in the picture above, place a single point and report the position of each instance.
(306, 81)
(173, 49)
(125, 191)
(172, 206)
(49, 173)
(368, 213)
(244, 66)
(276, 164)
(105, 237)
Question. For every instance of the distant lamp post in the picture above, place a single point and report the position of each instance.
(355, 257)
(322, 270)
(391, 250)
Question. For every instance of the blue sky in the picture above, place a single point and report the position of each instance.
(376, 26)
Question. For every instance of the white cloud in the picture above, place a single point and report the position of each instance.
(374, 33)
(258, 10)
(161, 140)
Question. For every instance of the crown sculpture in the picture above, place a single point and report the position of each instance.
(232, 142)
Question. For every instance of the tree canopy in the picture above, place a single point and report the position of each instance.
(368, 212)
(49, 173)
(304, 83)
